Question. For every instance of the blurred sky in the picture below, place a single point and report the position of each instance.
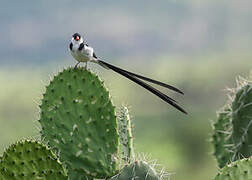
(38, 32)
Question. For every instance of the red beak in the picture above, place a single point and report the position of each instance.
(77, 38)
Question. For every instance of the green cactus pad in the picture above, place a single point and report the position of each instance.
(238, 170)
(220, 138)
(78, 119)
(242, 122)
(125, 134)
(76, 175)
(232, 137)
(137, 170)
(30, 160)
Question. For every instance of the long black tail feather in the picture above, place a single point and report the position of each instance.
(133, 77)
(150, 80)
(118, 70)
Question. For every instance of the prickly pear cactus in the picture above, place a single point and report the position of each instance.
(30, 160)
(221, 137)
(78, 119)
(242, 122)
(137, 170)
(125, 134)
(232, 137)
(238, 170)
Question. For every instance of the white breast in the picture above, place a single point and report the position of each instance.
(81, 56)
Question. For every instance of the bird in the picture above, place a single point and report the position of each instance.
(82, 52)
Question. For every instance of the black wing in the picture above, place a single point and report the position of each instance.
(71, 46)
(94, 55)
(144, 85)
(81, 46)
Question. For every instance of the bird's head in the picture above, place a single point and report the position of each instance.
(76, 38)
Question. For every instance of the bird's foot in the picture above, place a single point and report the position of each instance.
(76, 65)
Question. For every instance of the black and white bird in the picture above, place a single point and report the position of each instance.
(82, 52)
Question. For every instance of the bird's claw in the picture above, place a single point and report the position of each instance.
(76, 65)
(85, 67)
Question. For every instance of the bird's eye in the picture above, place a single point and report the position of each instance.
(77, 38)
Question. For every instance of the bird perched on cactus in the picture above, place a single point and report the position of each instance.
(82, 52)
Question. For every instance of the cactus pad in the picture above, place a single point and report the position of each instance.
(242, 122)
(125, 135)
(238, 170)
(137, 170)
(221, 137)
(30, 160)
(232, 136)
(78, 119)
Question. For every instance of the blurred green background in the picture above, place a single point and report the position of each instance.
(200, 47)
